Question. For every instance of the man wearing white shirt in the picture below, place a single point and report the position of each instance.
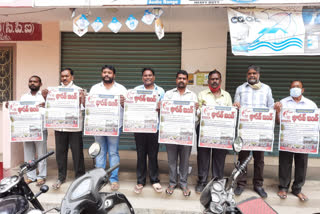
(36, 147)
(110, 144)
(69, 137)
(180, 93)
(295, 101)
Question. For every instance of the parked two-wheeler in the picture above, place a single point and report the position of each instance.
(15, 194)
(84, 196)
(218, 195)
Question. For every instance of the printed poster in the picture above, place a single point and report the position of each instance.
(177, 122)
(256, 128)
(102, 115)
(62, 108)
(140, 111)
(299, 131)
(25, 121)
(217, 127)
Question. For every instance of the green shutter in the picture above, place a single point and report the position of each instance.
(129, 53)
(277, 72)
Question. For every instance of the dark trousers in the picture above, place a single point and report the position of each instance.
(285, 168)
(63, 140)
(258, 166)
(147, 146)
(204, 155)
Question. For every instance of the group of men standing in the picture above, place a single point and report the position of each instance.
(252, 94)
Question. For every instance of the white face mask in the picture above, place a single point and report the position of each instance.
(295, 92)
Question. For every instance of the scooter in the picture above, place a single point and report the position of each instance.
(218, 195)
(15, 194)
(83, 195)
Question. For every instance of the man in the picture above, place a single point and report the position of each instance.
(33, 148)
(69, 137)
(216, 96)
(295, 101)
(180, 93)
(147, 143)
(110, 144)
(253, 94)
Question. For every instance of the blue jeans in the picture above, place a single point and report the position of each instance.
(110, 145)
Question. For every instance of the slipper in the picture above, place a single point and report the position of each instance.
(157, 187)
(186, 191)
(115, 186)
(282, 194)
(29, 181)
(138, 188)
(170, 189)
(301, 196)
(41, 181)
(57, 184)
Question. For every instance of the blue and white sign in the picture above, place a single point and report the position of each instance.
(132, 22)
(273, 31)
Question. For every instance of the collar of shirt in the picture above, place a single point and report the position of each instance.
(303, 100)
(248, 85)
(67, 86)
(155, 87)
(185, 92)
(37, 94)
(222, 93)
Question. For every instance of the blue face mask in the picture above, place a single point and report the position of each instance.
(295, 92)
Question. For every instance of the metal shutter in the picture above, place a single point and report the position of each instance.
(277, 72)
(129, 53)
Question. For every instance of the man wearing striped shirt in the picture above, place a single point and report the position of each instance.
(253, 94)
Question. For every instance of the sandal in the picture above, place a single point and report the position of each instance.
(41, 181)
(157, 187)
(282, 194)
(186, 191)
(301, 196)
(57, 185)
(138, 188)
(170, 189)
(115, 186)
(29, 181)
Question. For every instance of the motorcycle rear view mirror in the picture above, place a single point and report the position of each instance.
(94, 150)
(237, 144)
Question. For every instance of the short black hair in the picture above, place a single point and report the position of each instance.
(215, 71)
(182, 72)
(296, 81)
(110, 67)
(67, 69)
(254, 67)
(147, 69)
(35, 76)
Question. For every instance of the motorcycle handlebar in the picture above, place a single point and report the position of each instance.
(32, 164)
(44, 157)
(113, 168)
(245, 163)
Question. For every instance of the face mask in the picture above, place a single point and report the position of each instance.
(295, 92)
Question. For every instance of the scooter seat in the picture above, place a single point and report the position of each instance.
(13, 204)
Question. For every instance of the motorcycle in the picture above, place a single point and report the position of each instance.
(84, 196)
(15, 194)
(218, 195)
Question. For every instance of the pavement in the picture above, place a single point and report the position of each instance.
(151, 202)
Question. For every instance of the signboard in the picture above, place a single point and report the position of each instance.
(16, 3)
(20, 31)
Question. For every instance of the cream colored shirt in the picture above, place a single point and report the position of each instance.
(206, 97)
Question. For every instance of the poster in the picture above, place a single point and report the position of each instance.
(177, 122)
(299, 130)
(25, 121)
(256, 128)
(62, 108)
(102, 115)
(140, 114)
(217, 127)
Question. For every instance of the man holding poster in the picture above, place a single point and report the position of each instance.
(110, 144)
(214, 96)
(286, 155)
(253, 94)
(147, 143)
(184, 96)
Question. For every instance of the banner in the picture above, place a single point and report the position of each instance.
(177, 120)
(255, 127)
(20, 31)
(102, 115)
(62, 108)
(274, 31)
(299, 131)
(25, 121)
(217, 127)
(140, 113)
